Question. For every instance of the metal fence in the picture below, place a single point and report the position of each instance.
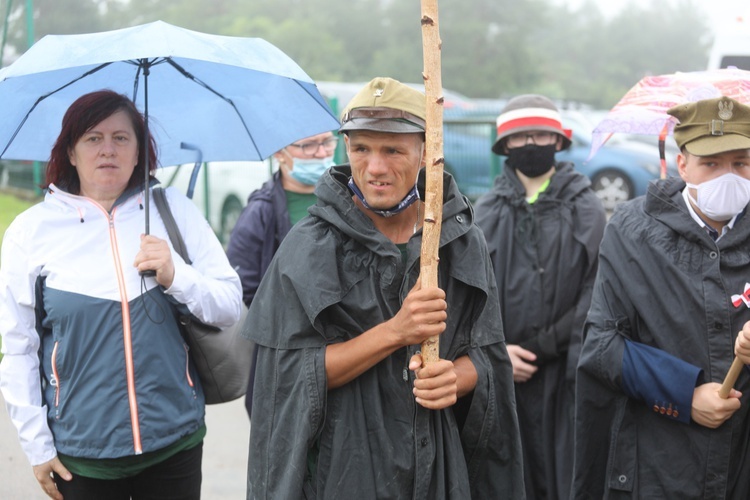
(467, 144)
(466, 147)
(21, 177)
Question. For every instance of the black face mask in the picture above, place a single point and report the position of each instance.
(532, 160)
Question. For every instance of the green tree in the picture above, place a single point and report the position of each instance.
(491, 48)
(488, 47)
(321, 54)
(59, 18)
(610, 56)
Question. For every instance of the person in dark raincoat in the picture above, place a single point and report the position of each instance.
(272, 210)
(543, 225)
(342, 407)
(673, 290)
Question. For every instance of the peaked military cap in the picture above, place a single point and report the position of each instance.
(712, 126)
(385, 105)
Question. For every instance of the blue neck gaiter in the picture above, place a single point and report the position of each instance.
(410, 198)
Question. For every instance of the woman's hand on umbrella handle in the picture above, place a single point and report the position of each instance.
(156, 255)
(43, 473)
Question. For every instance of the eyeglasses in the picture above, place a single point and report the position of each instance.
(537, 138)
(310, 148)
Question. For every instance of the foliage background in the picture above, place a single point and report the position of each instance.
(491, 48)
(10, 206)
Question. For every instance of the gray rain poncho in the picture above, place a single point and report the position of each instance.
(545, 259)
(663, 295)
(334, 277)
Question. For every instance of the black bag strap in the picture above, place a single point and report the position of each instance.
(160, 200)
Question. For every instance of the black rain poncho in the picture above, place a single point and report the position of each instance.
(334, 277)
(665, 284)
(545, 258)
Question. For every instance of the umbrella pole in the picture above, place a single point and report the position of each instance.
(146, 144)
(433, 214)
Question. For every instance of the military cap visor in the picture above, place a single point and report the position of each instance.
(381, 119)
(711, 145)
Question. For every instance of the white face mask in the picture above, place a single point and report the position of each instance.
(721, 198)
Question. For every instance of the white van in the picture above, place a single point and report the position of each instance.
(731, 46)
(220, 190)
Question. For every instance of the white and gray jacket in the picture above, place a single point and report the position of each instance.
(94, 364)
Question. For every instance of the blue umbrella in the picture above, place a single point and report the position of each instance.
(232, 98)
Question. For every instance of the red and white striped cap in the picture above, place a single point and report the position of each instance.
(528, 112)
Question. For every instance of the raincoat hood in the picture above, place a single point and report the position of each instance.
(336, 207)
(507, 185)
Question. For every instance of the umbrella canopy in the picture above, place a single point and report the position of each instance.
(643, 109)
(232, 98)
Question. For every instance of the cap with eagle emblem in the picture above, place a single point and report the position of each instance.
(712, 126)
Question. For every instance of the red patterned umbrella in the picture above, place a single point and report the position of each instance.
(643, 109)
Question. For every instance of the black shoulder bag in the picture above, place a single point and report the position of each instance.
(222, 357)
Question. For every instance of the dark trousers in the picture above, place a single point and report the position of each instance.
(177, 478)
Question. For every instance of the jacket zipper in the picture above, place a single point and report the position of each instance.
(55, 382)
(127, 337)
(187, 366)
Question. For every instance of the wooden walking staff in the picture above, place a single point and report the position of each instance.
(433, 214)
(731, 378)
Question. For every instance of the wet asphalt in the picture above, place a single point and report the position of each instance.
(224, 456)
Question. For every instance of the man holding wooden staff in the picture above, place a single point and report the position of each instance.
(342, 406)
(672, 291)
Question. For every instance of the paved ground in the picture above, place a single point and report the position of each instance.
(224, 456)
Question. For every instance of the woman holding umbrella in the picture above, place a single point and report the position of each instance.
(96, 375)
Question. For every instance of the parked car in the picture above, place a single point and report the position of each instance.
(622, 168)
(619, 171)
(221, 189)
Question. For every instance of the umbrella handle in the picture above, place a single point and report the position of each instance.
(662, 152)
(731, 378)
(148, 273)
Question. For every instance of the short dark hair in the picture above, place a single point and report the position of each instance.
(86, 112)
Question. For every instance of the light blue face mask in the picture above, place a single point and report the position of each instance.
(308, 170)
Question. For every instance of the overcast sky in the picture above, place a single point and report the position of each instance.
(721, 12)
